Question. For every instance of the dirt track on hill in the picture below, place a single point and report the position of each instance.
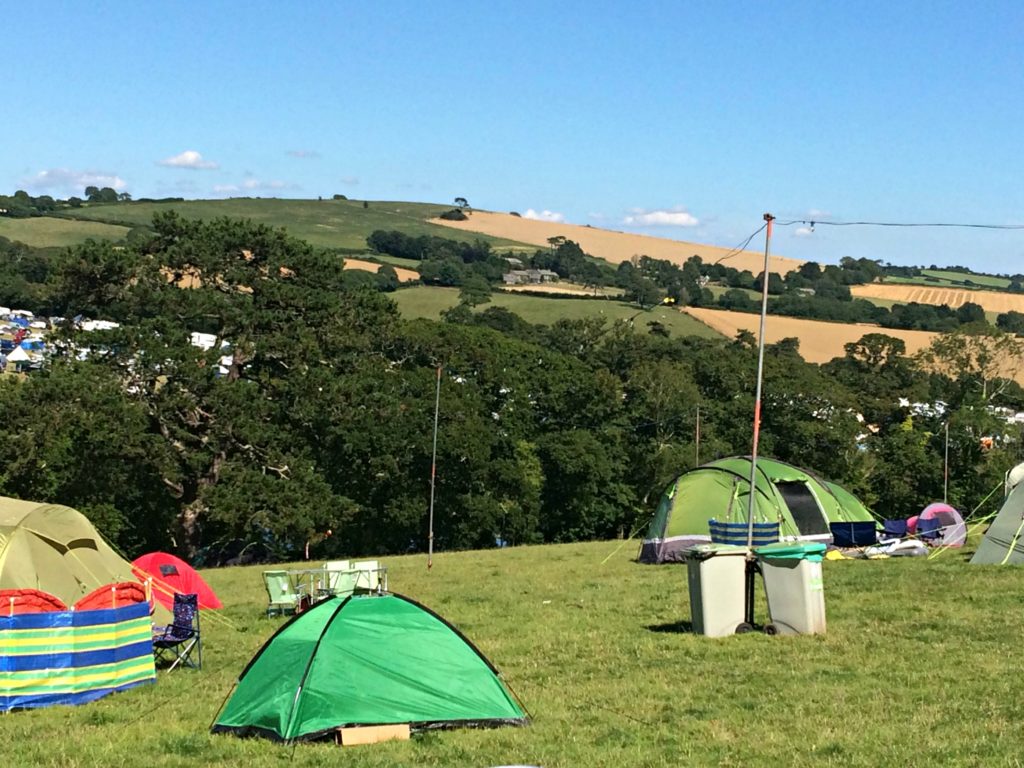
(614, 247)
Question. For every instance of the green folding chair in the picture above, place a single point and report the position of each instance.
(369, 575)
(283, 597)
(339, 577)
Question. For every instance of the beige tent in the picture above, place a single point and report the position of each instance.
(55, 549)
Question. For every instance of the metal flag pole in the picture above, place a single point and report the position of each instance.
(433, 472)
(945, 469)
(760, 373)
(696, 451)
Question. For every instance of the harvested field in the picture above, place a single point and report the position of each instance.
(404, 275)
(991, 301)
(819, 341)
(614, 247)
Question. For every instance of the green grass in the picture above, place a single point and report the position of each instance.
(989, 281)
(46, 231)
(326, 223)
(948, 279)
(917, 668)
(395, 261)
(428, 302)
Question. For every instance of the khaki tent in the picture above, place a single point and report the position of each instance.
(1003, 542)
(803, 504)
(55, 549)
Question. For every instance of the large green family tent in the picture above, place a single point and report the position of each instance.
(803, 505)
(1003, 542)
(366, 660)
(55, 549)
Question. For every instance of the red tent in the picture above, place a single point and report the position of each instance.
(172, 575)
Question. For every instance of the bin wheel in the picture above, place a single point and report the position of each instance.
(743, 628)
(771, 629)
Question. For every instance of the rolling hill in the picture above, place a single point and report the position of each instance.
(614, 247)
(326, 223)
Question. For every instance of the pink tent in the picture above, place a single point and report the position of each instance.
(952, 529)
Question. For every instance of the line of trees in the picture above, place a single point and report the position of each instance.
(313, 410)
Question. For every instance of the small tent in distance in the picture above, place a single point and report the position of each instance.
(171, 575)
(366, 660)
(802, 503)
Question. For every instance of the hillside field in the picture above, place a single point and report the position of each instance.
(600, 654)
(949, 278)
(428, 302)
(614, 247)
(47, 231)
(990, 301)
(324, 223)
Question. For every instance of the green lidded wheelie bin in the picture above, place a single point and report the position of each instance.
(794, 587)
(716, 574)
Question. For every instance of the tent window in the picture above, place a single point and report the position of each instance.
(168, 570)
(807, 515)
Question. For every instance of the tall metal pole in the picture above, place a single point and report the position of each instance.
(433, 472)
(696, 453)
(757, 393)
(945, 469)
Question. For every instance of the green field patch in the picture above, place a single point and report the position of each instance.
(48, 231)
(325, 223)
(429, 302)
(596, 647)
(989, 281)
(939, 278)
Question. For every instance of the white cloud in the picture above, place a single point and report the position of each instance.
(73, 181)
(274, 184)
(544, 215)
(351, 180)
(252, 184)
(189, 159)
(817, 214)
(303, 154)
(803, 232)
(676, 217)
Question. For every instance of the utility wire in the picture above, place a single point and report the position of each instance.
(815, 223)
(739, 248)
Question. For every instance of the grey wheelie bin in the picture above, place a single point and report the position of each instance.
(794, 587)
(716, 574)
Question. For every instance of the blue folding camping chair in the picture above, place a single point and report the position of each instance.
(180, 638)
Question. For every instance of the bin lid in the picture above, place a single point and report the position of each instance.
(792, 550)
(704, 551)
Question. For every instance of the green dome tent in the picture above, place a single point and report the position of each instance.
(803, 504)
(366, 660)
(55, 549)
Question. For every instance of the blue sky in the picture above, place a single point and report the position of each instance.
(684, 120)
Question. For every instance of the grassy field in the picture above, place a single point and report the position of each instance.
(326, 223)
(45, 231)
(429, 302)
(952, 279)
(916, 669)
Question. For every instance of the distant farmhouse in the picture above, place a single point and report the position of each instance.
(529, 277)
